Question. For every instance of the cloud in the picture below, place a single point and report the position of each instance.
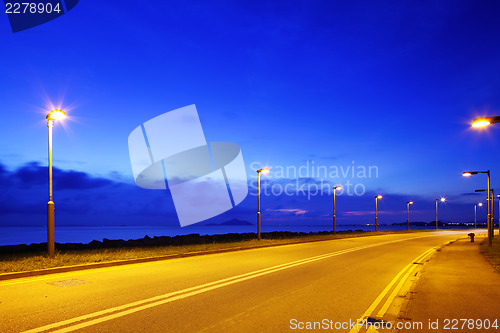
(357, 213)
(294, 211)
(84, 199)
(33, 173)
(80, 199)
(471, 194)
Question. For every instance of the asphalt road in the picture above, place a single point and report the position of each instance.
(272, 289)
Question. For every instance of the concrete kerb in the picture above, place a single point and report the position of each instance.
(64, 269)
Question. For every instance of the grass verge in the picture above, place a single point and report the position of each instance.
(492, 253)
(35, 261)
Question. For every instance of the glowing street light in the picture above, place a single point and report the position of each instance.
(408, 214)
(437, 200)
(490, 229)
(264, 170)
(475, 213)
(55, 114)
(335, 188)
(376, 211)
(485, 121)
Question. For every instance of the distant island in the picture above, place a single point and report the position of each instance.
(232, 222)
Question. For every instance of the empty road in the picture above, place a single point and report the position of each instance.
(274, 289)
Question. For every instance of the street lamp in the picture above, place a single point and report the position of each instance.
(335, 188)
(492, 209)
(437, 200)
(485, 121)
(490, 229)
(498, 196)
(376, 211)
(264, 170)
(475, 213)
(408, 214)
(55, 114)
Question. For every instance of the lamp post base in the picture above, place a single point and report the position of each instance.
(258, 225)
(50, 229)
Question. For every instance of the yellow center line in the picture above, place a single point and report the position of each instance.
(396, 290)
(123, 310)
(408, 269)
(382, 295)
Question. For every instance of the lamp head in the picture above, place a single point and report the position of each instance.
(469, 173)
(264, 170)
(410, 202)
(480, 122)
(378, 197)
(480, 204)
(56, 114)
(485, 121)
(337, 187)
(442, 199)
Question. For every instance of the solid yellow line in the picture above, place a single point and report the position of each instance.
(386, 290)
(172, 296)
(396, 290)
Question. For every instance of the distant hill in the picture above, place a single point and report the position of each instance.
(233, 222)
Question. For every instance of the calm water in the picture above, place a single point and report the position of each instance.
(28, 235)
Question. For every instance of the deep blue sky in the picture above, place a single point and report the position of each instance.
(388, 84)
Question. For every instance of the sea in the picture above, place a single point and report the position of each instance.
(86, 234)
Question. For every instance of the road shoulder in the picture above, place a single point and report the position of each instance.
(457, 283)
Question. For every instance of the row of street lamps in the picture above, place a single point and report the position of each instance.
(479, 122)
(57, 114)
(335, 188)
(408, 203)
(489, 220)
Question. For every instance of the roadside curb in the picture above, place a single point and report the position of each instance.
(64, 269)
(403, 315)
(387, 307)
(400, 305)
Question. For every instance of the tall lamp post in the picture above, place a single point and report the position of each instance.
(376, 211)
(335, 188)
(55, 114)
(437, 200)
(264, 170)
(475, 213)
(408, 214)
(490, 229)
(498, 196)
(492, 209)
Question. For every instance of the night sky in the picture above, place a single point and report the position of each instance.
(386, 86)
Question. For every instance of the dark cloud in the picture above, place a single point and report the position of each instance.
(470, 194)
(30, 174)
(80, 199)
(34, 174)
(78, 180)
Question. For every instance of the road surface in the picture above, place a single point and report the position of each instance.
(274, 289)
